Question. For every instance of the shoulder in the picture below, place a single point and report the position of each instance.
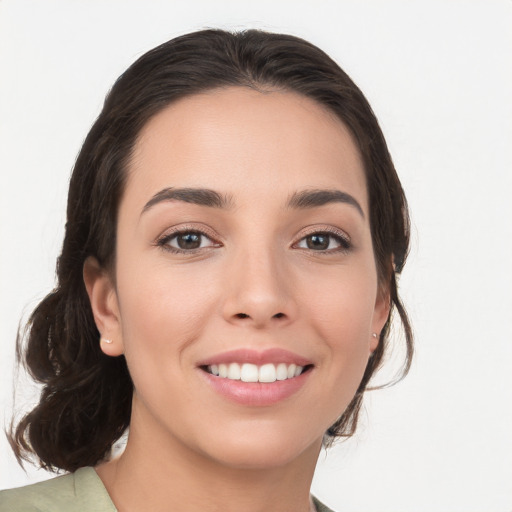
(81, 491)
(319, 506)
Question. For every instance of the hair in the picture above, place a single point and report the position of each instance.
(85, 402)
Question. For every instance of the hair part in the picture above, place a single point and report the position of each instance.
(85, 403)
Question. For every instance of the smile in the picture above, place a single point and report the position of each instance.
(256, 378)
(248, 372)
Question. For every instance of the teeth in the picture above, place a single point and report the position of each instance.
(252, 373)
(234, 371)
(249, 373)
(281, 372)
(267, 373)
(223, 370)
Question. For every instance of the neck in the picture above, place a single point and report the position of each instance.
(162, 474)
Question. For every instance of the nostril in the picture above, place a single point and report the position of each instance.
(245, 315)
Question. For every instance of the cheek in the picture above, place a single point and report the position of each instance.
(161, 309)
(162, 314)
(341, 312)
(342, 303)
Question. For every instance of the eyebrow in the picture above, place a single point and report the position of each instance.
(199, 196)
(210, 198)
(315, 198)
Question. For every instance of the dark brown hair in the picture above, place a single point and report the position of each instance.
(85, 404)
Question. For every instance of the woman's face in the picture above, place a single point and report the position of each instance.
(244, 249)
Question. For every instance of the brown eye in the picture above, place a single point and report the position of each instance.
(325, 242)
(188, 240)
(318, 242)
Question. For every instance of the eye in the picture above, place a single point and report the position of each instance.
(325, 242)
(186, 241)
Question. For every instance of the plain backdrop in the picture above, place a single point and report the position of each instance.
(439, 77)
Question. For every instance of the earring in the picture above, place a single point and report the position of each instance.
(374, 334)
(108, 342)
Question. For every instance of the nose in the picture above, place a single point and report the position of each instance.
(259, 290)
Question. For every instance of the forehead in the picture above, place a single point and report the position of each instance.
(245, 141)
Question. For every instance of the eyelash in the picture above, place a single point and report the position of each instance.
(340, 237)
(165, 240)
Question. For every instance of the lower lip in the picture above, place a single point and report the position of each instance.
(256, 393)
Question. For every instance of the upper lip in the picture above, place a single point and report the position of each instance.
(259, 358)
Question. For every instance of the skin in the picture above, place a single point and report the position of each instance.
(253, 283)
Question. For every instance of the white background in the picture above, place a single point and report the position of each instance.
(439, 76)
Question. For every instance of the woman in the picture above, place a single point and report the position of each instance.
(225, 289)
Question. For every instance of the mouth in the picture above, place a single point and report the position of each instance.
(248, 372)
(254, 378)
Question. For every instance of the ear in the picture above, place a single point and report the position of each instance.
(105, 308)
(380, 315)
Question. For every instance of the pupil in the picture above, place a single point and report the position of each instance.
(189, 241)
(318, 242)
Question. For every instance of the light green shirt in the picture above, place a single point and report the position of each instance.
(81, 491)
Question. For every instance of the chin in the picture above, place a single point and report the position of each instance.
(258, 452)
